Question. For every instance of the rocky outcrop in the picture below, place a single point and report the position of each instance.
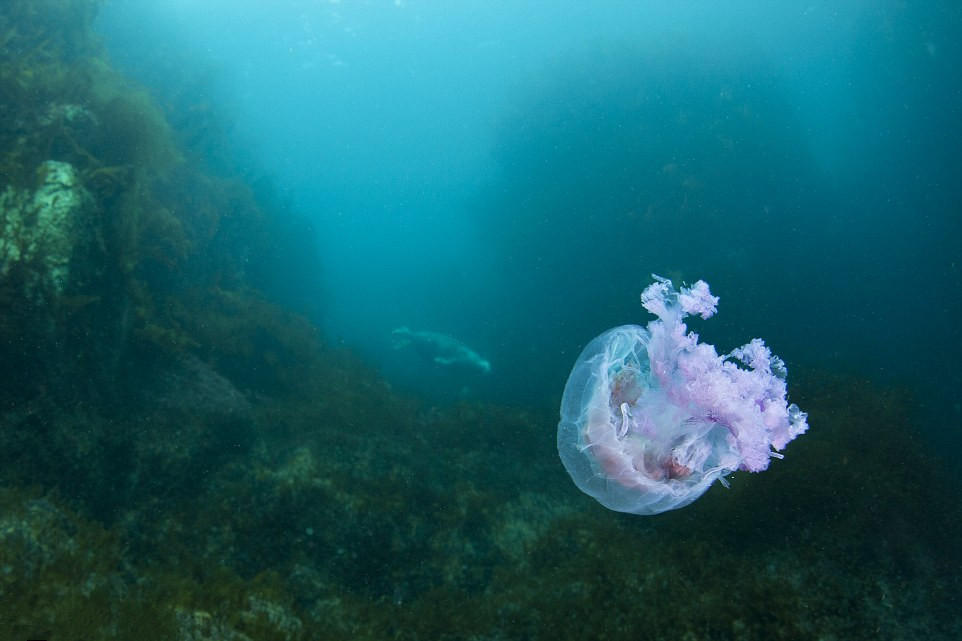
(39, 230)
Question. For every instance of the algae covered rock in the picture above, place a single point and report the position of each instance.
(40, 229)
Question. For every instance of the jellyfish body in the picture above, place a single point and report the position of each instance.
(650, 417)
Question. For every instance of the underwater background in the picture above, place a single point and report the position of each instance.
(215, 216)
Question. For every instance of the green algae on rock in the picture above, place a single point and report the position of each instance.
(39, 229)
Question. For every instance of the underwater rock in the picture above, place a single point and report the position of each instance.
(261, 616)
(188, 385)
(39, 230)
(66, 113)
(441, 349)
(185, 419)
(56, 569)
(40, 531)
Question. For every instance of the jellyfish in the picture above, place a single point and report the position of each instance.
(651, 417)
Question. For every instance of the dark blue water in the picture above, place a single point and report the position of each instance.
(510, 173)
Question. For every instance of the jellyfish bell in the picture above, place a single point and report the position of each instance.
(650, 417)
(624, 441)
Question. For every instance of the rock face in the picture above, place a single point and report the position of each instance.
(190, 387)
(185, 419)
(40, 229)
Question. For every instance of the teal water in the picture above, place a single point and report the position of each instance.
(288, 304)
(511, 173)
